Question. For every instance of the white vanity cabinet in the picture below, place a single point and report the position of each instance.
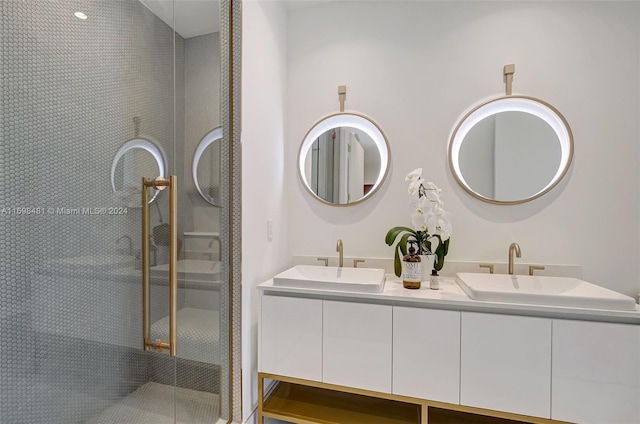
(596, 372)
(291, 337)
(506, 363)
(326, 341)
(426, 353)
(347, 351)
(356, 347)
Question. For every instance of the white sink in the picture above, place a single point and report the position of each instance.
(367, 280)
(542, 290)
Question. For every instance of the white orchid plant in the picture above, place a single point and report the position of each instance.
(431, 223)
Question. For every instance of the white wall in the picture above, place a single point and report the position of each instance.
(415, 67)
(263, 184)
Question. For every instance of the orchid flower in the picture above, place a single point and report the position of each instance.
(430, 223)
(415, 185)
(414, 175)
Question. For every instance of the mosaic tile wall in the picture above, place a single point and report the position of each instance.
(235, 13)
(69, 92)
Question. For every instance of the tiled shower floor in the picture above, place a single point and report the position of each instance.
(153, 403)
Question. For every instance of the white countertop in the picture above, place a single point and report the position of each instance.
(451, 296)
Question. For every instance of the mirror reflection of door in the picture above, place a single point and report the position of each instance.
(343, 159)
(345, 164)
(322, 168)
(355, 173)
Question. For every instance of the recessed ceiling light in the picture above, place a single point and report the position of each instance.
(80, 15)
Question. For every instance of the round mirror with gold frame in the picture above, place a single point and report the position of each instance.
(344, 159)
(136, 158)
(510, 150)
(206, 166)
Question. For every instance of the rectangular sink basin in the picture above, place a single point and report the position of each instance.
(364, 280)
(542, 290)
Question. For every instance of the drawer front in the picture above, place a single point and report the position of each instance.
(357, 345)
(291, 337)
(596, 372)
(506, 363)
(426, 354)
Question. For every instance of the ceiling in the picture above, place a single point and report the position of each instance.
(191, 17)
(199, 17)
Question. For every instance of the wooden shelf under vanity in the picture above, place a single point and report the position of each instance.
(303, 404)
(306, 402)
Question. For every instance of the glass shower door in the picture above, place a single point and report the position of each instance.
(92, 94)
(200, 320)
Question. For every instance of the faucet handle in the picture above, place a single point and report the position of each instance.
(356, 261)
(534, 267)
(326, 261)
(490, 266)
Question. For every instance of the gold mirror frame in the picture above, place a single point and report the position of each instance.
(354, 120)
(150, 147)
(213, 136)
(527, 104)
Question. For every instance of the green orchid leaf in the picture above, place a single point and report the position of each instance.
(439, 263)
(402, 244)
(393, 233)
(441, 252)
(401, 251)
(397, 264)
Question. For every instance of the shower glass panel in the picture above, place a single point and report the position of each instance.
(75, 88)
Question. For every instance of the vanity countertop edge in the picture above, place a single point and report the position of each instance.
(452, 297)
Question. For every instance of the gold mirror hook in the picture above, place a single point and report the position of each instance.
(342, 93)
(508, 72)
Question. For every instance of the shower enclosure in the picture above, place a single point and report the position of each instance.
(96, 95)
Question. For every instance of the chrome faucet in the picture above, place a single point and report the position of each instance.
(340, 253)
(130, 251)
(514, 248)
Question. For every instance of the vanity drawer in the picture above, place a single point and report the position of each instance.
(357, 345)
(506, 363)
(426, 354)
(291, 337)
(596, 372)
